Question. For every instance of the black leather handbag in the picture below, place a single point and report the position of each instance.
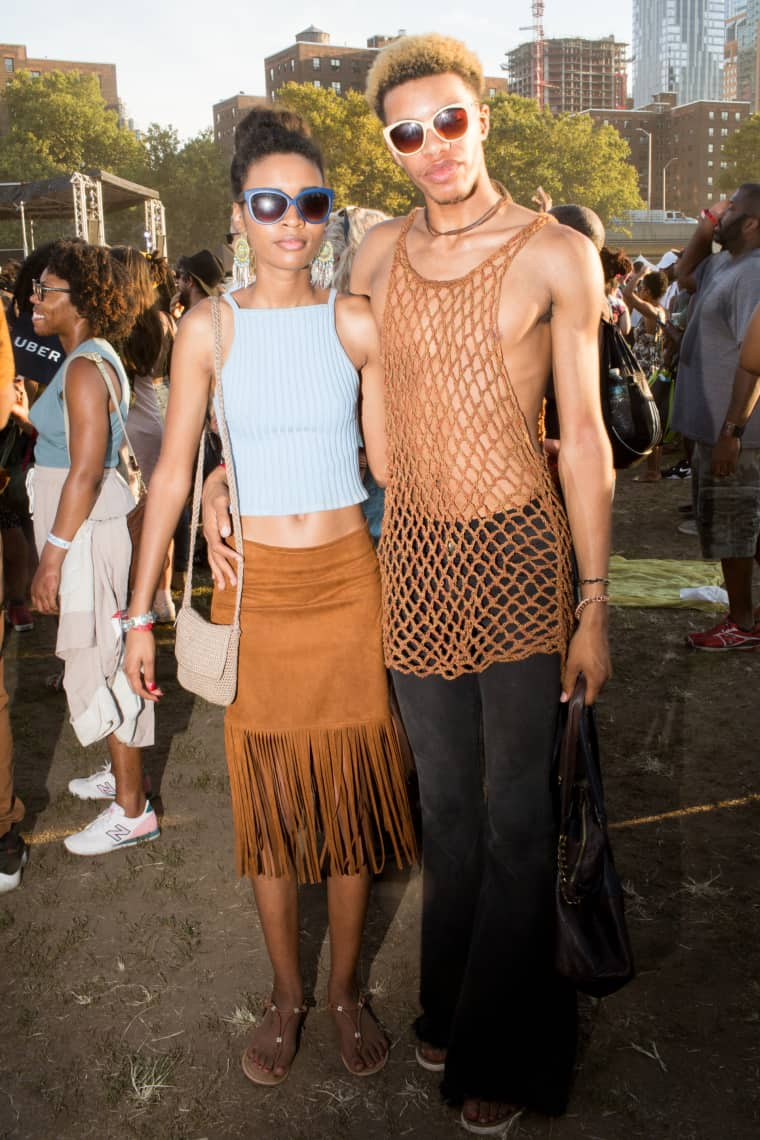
(592, 948)
(630, 412)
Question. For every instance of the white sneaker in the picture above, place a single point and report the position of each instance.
(99, 786)
(113, 829)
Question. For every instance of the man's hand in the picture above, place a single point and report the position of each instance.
(725, 456)
(588, 653)
(542, 200)
(215, 507)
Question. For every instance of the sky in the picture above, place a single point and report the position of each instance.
(174, 61)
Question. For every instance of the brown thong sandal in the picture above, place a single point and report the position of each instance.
(268, 1077)
(354, 1014)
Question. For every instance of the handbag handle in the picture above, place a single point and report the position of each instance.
(97, 360)
(568, 756)
(579, 750)
(216, 321)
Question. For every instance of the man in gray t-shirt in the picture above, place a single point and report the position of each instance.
(716, 404)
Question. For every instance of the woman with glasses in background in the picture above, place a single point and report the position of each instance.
(80, 507)
(317, 780)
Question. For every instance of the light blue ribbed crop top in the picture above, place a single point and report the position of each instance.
(290, 394)
(46, 414)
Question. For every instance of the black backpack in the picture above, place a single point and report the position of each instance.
(629, 410)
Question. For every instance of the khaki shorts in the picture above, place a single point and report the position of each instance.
(727, 510)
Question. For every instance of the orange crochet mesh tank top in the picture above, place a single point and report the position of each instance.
(475, 547)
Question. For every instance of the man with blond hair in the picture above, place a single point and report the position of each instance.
(478, 299)
(476, 296)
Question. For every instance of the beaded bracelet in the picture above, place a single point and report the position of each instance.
(139, 621)
(61, 543)
(588, 581)
(587, 602)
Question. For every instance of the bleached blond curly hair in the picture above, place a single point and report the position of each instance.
(417, 57)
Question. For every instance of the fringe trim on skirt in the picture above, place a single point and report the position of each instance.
(325, 801)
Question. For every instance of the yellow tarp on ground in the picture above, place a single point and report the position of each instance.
(657, 581)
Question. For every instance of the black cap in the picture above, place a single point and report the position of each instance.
(205, 268)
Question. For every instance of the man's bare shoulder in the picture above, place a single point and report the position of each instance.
(353, 309)
(375, 251)
(568, 245)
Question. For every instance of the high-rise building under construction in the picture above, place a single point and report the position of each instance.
(574, 73)
(678, 47)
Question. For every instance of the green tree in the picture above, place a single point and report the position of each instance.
(742, 153)
(193, 180)
(59, 123)
(359, 166)
(574, 160)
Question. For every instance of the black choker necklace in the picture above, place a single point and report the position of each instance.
(463, 229)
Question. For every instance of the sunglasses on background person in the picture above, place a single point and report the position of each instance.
(267, 206)
(41, 291)
(407, 136)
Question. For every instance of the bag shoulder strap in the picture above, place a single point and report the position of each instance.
(97, 360)
(216, 321)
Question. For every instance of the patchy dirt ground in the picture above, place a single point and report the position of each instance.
(129, 981)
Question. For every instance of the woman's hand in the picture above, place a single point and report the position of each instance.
(46, 582)
(140, 664)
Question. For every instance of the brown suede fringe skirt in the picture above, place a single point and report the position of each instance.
(317, 778)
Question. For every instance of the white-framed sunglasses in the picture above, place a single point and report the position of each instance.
(407, 136)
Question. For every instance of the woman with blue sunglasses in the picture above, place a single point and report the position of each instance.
(317, 779)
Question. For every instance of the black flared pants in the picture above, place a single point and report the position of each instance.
(483, 747)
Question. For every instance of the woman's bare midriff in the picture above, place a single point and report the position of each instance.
(311, 529)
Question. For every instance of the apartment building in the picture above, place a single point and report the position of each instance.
(677, 148)
(14, 58)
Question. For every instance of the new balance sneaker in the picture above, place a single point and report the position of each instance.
(725, 635)
(100, 785)
(19, 617)
(13, 858)
(113, 829)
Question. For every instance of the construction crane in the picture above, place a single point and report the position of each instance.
(537, 52)
(537, 11)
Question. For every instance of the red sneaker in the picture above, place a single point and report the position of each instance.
(725, 635)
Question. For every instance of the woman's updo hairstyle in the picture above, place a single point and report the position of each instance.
(615, 263)
(270, 130)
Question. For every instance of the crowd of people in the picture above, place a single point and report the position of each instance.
(377, 378)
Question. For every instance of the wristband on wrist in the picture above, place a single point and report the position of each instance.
(139, 621)
(61, 543)
(588, 601)
(588, 581)
(732, 430)
(710, 216)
